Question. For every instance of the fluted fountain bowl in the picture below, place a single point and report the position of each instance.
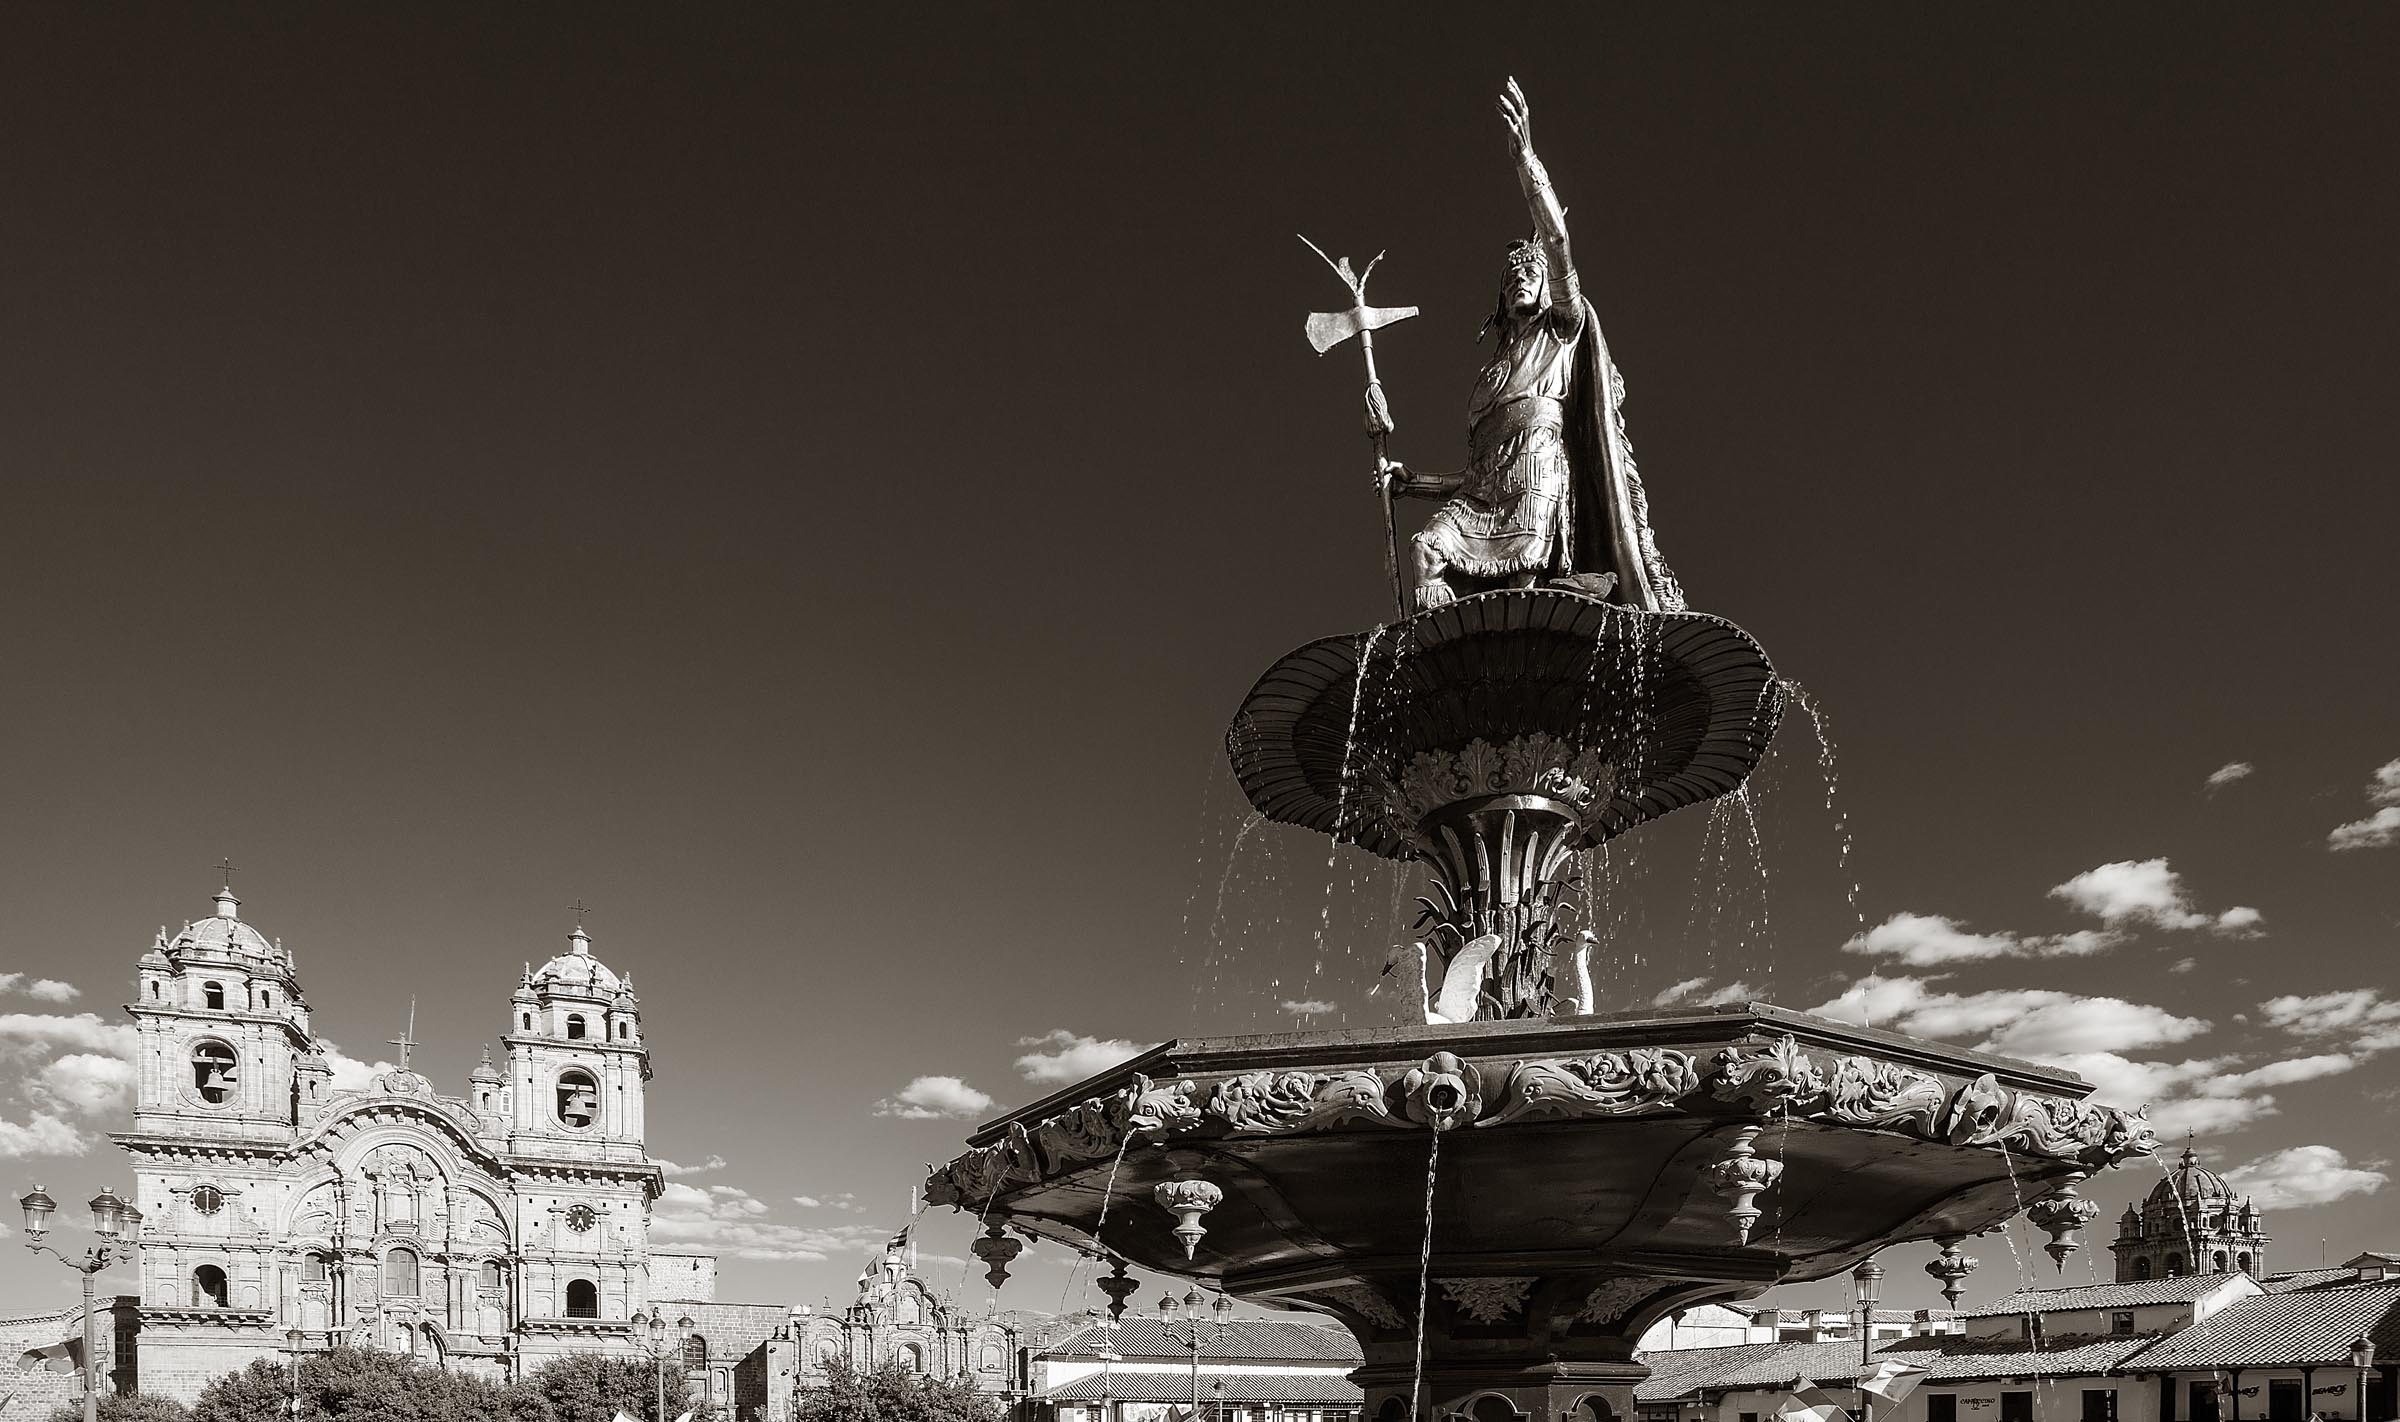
(1359, 736)
(1586, 1176)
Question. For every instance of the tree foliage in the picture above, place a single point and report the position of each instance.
(892, 1393)
(126, 1407)
(363, 1385)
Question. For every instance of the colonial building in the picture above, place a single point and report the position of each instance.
(2190, 1224)
(1143, 1369)
(487, 1231)
(897, 1318)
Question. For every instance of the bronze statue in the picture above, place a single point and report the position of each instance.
(1550, 493)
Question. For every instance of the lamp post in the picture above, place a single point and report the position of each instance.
(650, 1335)
(1868, 1277)
(294, 1339)
(113, 1220)
(1194, 1319)
(2362, 1359)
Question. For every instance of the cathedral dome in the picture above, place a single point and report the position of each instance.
(577, 970)
(222, 932)
(2193, 1183)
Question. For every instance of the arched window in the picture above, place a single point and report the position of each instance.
(212, 996)
(214, 1071)
(2242, 1262)
(624, 1030)
(491, 1273)
(312, 1268)
(991, 1359)
(266, 998)
(2218, 1266)
(910, 1357)
(828, 1349)
(578, 1100)
(575, 1026)
(583, 1299)
(208, 1287)
(2141, 1268)
(2174, 1265)
(154, 991)
(695, 1352)
(528, 1019)
(400, 1274)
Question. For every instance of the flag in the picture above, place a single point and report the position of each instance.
(65, 1356)
(1811, 1404)
(1890, 1379)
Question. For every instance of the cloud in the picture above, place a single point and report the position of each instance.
(1063, 1057)
(730, 1220)
(1926, 940)
(83, 1083)
(1679, 992)
(1689, 991)
(2363, 1018)
(40, 989)
(2382, 828)
(1730, 993)
(934, 1098)
(2228, 773)
(843, 1201)
(2139, 891)
(2305, 1175)
(42, 1134)
(2024, 1022)
(1309, 1007)
(42, 1033)
(714, 1162)
(349, 1073)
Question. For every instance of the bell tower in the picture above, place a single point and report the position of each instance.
(222, 1027)
(577, 1064)
(2190, 1224)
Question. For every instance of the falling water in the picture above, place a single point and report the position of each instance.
(1416, 1385)
(1760, 928)
(2025, 1277)
(1830, 772)
(1108, 1196)
(1341, 799)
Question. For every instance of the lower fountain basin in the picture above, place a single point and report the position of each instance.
(1588, 1175)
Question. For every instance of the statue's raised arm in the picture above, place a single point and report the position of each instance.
(1541, 200)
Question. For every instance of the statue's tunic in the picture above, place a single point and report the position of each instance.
(1514, 512)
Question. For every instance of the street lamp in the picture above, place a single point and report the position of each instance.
(2362, 1359)
(1193, 1317)
(1868, 1278)
(650, 1335)
(293, 1338)
(112, 1220)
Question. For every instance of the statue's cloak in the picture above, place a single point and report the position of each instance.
(1611, 531)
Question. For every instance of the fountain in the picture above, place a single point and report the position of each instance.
(1583, 1173)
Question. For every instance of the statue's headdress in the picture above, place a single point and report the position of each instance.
(1524, 254)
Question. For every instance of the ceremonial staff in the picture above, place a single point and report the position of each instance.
(1327, 329)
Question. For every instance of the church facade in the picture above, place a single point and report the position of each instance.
(2190, 1224)
(488, 1231)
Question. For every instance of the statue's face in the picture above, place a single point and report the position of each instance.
(1523, 288)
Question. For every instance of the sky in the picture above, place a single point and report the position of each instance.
(814, 487)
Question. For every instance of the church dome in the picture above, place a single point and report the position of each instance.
(2193, 1183)
(576, 970)
(222, 932)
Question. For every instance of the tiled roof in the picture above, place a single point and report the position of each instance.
(2285, 1330)
(1945, 1357)
(2183, 1288)
(1254, 1340)
(2307, 1279)
(1953, 1358)
(1331, 1388)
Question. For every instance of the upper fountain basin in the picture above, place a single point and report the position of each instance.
(1629, 714)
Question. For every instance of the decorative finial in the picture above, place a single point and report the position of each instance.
(226, 902)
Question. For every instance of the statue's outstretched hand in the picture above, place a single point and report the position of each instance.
(1519, 117)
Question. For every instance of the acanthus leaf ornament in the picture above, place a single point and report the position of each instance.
(1278, 1103)
(1865, 1091)
(1609, 1084)
(1741, 1177)
(1187, 1200)
(1491, 1300)
(1612, 1299)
